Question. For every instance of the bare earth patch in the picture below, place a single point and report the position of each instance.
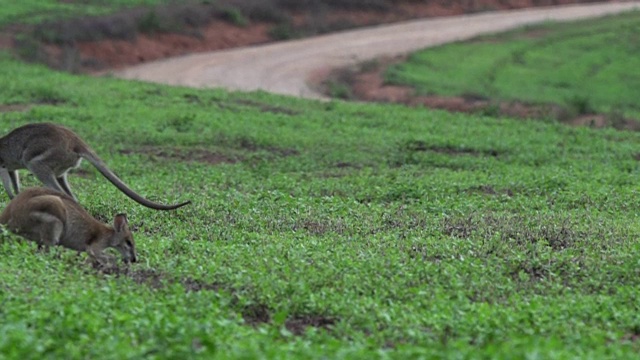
(298, 325)
(253, 315)
(14, 108)
(197, 155)
(258, 314)
(218, 35)
(418, 146)
(267, 107)
(490, 190)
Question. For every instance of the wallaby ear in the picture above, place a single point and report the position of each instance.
(120, 222)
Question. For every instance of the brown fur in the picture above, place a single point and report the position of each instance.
(49, 151)
(50, 218)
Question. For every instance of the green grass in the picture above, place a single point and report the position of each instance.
(588, 66)
(34, 11)
(400, 232)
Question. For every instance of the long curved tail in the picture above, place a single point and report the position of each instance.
(115, 180)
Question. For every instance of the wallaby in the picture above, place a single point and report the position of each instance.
(49, 151)
(50, 218)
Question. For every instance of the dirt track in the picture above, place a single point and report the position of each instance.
(286, 67)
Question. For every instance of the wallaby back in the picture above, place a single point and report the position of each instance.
(49, 151)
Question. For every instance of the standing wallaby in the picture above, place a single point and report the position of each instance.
(49, 218)
(49, 151)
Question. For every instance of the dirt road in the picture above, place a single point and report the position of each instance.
(286, 67)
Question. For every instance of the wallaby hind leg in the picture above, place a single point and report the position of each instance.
(48, 227)
(64, 184)
(15, 181)
(46, 175)
(11, 181)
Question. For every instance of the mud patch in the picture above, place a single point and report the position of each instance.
(559, 234)
(158, 280)
(267, 107)
(341, 169)
(632, 337)
(189, 155)
(489, 190)
(319, 228)
(249, 144)
(420, 146)
(210, 157)
(195, 285)
(5, 108)
(148, 277)
(254, 314)
(258, 314)
(345, 165)
(298, 325)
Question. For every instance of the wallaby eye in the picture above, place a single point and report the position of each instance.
(128, 243)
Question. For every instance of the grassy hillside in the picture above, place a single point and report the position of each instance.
(35, 11)
(590, 66)
(327, 230)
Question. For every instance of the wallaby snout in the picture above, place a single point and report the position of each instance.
(130, 258)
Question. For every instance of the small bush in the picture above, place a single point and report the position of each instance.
(30, 49)
(339, 90)
(581, 105)
(150, 23)
(234, 16)
(283, 31)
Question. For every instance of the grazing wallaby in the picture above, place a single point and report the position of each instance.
(49, 218)
(49, 151)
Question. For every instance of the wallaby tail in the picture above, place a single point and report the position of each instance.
(115, 180)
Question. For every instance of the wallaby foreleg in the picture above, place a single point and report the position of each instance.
(99, 258)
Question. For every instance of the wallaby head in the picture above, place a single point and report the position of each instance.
(49, 151)
(122, 239)
(49, 218)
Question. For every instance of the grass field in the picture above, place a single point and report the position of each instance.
(327, 230)
(34, 11)
(395, 231)
(590, 66)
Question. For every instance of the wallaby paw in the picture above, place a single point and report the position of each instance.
(105, 264)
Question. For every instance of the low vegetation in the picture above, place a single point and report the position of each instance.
(327, 229)
(586, 67)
